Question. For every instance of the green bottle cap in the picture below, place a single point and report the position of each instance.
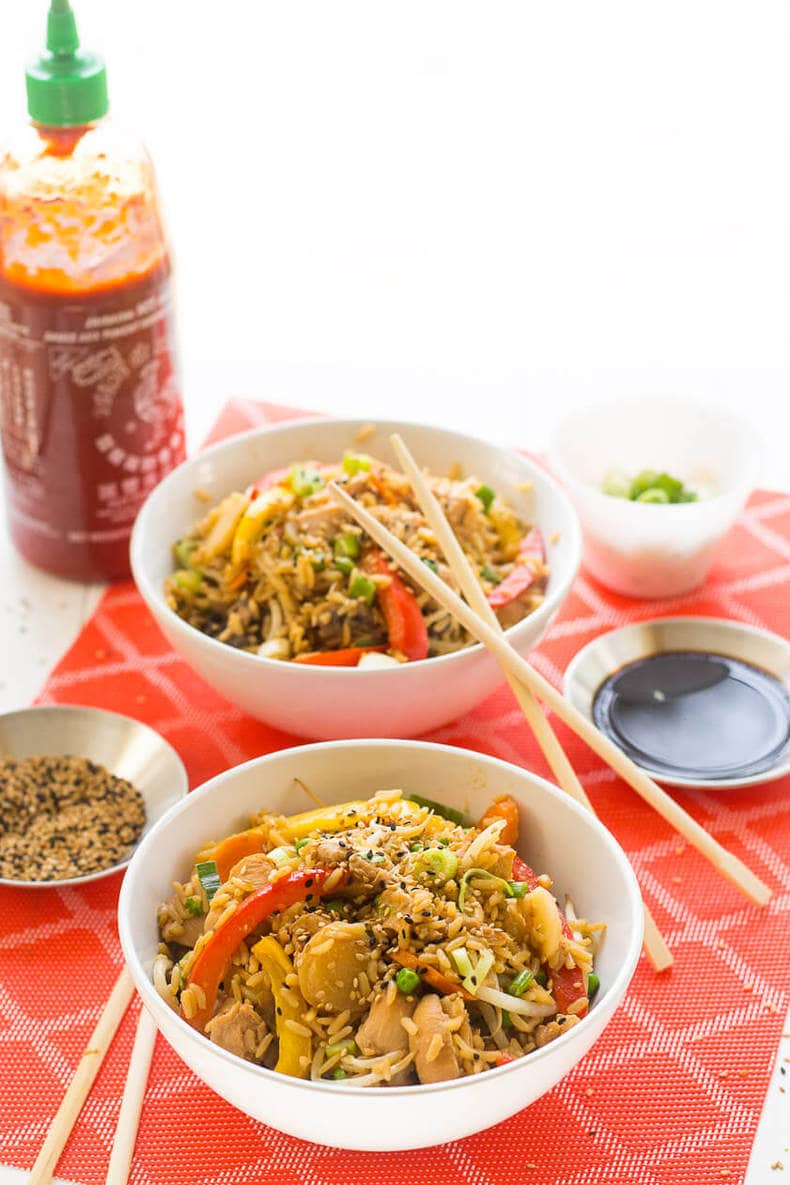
(66, 86)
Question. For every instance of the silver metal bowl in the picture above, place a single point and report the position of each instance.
(124, 746)
(602, 657)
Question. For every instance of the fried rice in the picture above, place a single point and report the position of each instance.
(374, 943)
(280, 569)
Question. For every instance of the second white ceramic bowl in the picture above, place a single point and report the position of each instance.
(644, 550)
(327, 702)
(559, 837)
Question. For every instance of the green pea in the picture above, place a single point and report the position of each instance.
(486, 496)
(407, 981)
(593, 983)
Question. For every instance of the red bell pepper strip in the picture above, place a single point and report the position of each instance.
(504, 1059)
(337, 658)
(567, 984)
(531, 558)
(406, 628)
(213, 960)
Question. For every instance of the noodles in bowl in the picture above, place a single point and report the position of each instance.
(375, 942)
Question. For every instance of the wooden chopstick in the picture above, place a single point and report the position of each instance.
(68, 1111)
(656, 948)
(132, 1101)
(727, 864)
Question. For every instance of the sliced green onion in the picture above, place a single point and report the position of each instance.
(593, 983)
(184, 550)
(344, 564)
(432, 564)
(486, 496)
(208, 875)
(472, 976)
(439, 862)
(521, 982)
(346, 545)
(338, 1074)
(300, 843)
(407, 981)
(305, 481)
(653, 495)
(356, 463)
(317, 561)
(482, 874)
(347, 1046)
(335, 905)
(490, 574)
(507, 1020)
(438, 808)
(189, 579)
(541, 977)
(360, 586)
(518, 888)
(280, 856)
(463, 964)
(416, 846)
(194, 906)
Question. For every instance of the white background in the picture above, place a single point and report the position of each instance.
(473, 213)
(531, 204)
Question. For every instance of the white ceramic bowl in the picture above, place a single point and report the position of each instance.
(644, 550)
(559, 837)
(340, 702)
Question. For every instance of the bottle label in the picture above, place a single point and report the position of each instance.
(91, 414)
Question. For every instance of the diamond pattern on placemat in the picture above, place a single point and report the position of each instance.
(670, 1095)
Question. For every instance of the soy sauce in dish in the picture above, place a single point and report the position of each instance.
(696, 715)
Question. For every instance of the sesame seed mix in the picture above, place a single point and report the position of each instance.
(62, 817)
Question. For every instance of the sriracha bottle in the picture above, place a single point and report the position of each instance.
(90, 410)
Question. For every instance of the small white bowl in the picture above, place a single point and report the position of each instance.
(122, 745)
(559, 837)
(640, 549)
(323, 702)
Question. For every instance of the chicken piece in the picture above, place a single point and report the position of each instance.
(237, 1028)
(331, 852)
(254, 868)
(432, 1044)
(330, 965)
(177, 924)
(382, 1031)
(371, 875)
(323, 519)
(553, 1029)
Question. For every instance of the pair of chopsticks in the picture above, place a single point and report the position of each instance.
(529, 685)
(79, 1087)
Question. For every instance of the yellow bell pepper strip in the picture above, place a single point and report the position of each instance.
(257, 516)
(507, 528)
(435, 979)
(229, 851)
(214, 957)
(295, 1049)
(529, 562)
(221, 532)
(406, 628)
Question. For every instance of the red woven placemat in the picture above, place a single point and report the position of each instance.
(671, 1093)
